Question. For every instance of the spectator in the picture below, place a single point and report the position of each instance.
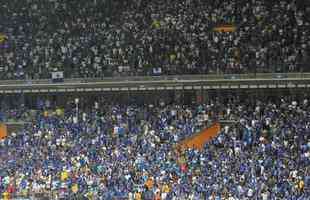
(112, 152)
(116, 38)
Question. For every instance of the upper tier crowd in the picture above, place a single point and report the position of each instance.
(104, 38)
(128, 152)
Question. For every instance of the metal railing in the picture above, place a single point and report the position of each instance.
(258, 76)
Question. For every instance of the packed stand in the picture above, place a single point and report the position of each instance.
(129, 152)
(104, 38)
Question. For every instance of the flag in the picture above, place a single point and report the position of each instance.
(225, 28)
(198, 140)
(60, 112)
(3, 131)
(156, 24)
(3, 38)
(3, 41)
(57, 76)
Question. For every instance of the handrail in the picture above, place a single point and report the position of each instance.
(258, 76)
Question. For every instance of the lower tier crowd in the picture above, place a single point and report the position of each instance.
(128, 152)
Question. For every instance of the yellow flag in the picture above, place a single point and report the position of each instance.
(172, 57)
(59, 112)
(156, 24)
(3, 37)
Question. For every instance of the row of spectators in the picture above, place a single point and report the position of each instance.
(100, 38)
(128, 152)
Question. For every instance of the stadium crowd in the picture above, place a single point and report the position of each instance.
(103, 38)
(128, 152)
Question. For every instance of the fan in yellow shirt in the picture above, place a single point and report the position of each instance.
(90, 195)
(75, 188)
(64, 175)
(301, 185)
(6, 195)
(138, 196)
(165, 188)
